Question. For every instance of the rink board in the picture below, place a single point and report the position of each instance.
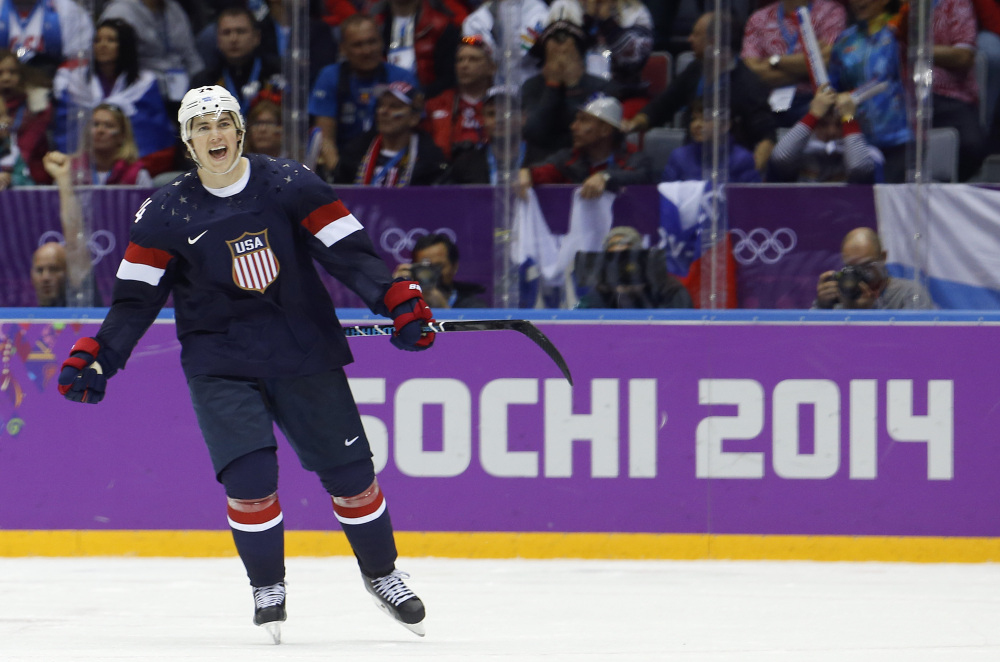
(732, 435)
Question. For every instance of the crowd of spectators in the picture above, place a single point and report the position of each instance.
(406, 92)
(142, 55)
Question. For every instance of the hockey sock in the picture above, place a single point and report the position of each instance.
(366, 522)
(259, 534)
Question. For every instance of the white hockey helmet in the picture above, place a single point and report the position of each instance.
(208, 100)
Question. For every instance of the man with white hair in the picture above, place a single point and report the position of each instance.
(233, 242)
(600, 159)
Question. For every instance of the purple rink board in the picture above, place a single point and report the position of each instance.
(796, 428)
(784, 236)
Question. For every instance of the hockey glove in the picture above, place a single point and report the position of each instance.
(81, 378)
(409, 312)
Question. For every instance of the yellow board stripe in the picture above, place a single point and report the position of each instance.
(519, 545)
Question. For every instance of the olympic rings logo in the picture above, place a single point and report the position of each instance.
(400, 242)
(101, 243)
(761, 244)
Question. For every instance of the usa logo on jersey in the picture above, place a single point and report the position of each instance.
(254, 264)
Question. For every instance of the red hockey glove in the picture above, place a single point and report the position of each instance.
(81, 378)
(409, 312)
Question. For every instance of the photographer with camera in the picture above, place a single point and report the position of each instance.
(434, 265)
(864, 281)
(626, 275)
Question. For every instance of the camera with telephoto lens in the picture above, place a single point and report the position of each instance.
(427, 274)
(850, 278)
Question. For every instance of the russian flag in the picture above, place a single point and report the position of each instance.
(951, 233)
(684, 208)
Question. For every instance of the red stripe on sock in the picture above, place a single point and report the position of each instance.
(245, 516)
(353, 512)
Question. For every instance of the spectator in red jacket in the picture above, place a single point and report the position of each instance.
(455, 117)
(421, 37)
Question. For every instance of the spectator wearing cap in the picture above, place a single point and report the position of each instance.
(342, 101)
(599, 158)
(503, 150)
(421, 37)
(519, 23)
(685, 162)
(552, 98)
(455, 117)
(397, 153)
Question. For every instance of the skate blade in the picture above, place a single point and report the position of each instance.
(273, 629)
(416, 628)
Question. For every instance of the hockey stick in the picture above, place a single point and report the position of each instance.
(521, 326)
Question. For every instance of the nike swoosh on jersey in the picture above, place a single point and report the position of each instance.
(348, 442)
(192, 240)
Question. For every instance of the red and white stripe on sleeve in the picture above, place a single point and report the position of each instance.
(331, 223)
(144, 264)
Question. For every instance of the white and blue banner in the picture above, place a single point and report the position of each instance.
(951, 232)
(681, 214)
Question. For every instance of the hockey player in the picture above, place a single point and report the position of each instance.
(234, 242)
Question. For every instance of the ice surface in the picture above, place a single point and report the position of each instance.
(139, 609)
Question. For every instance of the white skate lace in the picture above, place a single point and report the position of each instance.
(268, 596)
(392, 588)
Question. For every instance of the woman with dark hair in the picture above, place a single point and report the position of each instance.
(114, 77)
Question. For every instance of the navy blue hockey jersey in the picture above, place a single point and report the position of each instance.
(247, 299)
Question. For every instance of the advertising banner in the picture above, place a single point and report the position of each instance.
(685, 426)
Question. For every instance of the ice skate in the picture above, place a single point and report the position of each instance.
(396, 599)
(269, 608)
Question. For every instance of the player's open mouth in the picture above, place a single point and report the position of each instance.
(218, 153)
